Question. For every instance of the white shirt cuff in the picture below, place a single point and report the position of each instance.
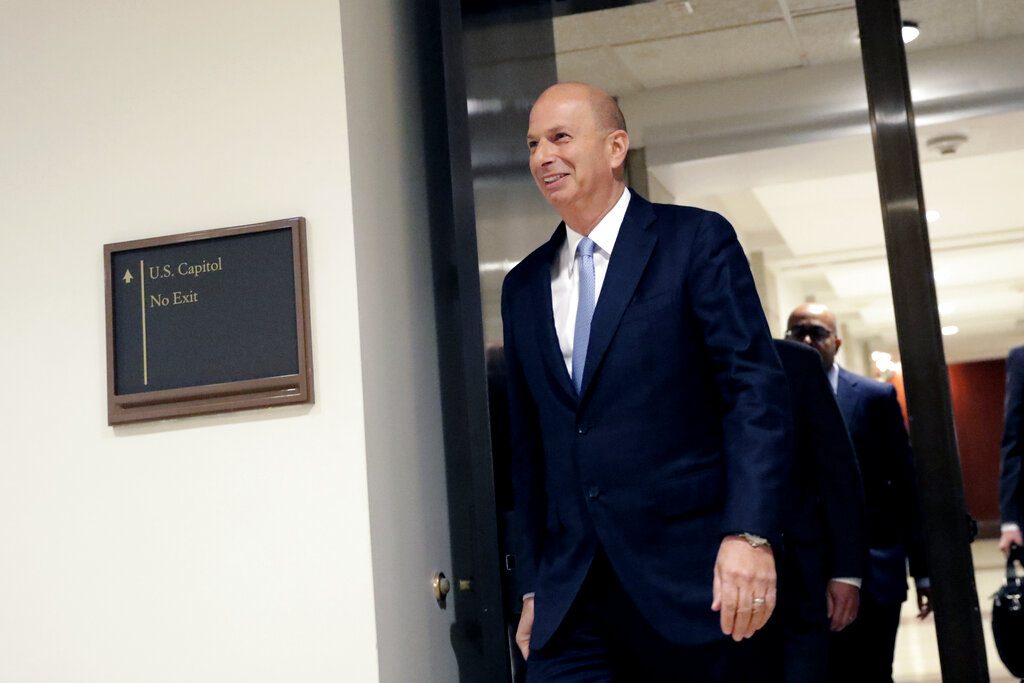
(852, 580)
(527, 596)
(1009, 526)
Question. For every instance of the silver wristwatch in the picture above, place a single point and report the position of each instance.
(754, 540)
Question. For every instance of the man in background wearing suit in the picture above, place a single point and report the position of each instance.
(1011, 493)
(863, 652)
(648, 420)
(824, 549)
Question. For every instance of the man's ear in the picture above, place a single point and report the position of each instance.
(839, 342)
(618, 145)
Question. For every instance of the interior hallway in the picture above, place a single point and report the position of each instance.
(917, 654)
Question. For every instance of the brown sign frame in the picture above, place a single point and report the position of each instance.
(225, 396)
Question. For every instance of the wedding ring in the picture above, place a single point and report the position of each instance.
(758, 602)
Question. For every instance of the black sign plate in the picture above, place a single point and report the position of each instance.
(218, 310)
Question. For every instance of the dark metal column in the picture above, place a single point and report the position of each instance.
(947, 533)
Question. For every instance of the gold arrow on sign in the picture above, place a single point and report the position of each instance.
(127, 277)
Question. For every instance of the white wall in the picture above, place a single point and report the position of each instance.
(226, 548)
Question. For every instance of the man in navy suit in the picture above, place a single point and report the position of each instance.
(648, 420)
(824, 549)
(863, 652)
(1011, 492)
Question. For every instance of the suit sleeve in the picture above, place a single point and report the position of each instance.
(899, 450)
(1012, 451)
(526, 463)
(751, 387)
(838, 478)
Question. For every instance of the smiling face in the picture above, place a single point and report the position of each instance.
(576, 153)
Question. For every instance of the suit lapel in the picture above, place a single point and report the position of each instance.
(632, 249)
(547, 338)
(846, 397)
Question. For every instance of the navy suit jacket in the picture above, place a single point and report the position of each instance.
(1011, 493)
(678, 435)
(823, 524)
(875, 421)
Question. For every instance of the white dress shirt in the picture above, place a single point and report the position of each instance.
(565, 279)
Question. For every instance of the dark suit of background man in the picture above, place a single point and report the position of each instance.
(1011, 491)
(863, 652)
(823, 531)
(646, 438)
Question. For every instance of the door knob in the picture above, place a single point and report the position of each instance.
(441, 586)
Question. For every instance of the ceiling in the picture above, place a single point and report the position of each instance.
(808, 204)
(668, 42)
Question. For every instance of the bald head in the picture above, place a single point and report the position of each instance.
(815, 325)
(820, 312)
(578, 146)
(605, 110)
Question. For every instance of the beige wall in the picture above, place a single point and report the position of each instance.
(226, 548)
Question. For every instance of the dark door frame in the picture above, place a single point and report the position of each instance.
(478, 635)
(947, 526)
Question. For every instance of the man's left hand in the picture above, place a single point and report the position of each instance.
(843, 601)
(924, 602)
(743, 573)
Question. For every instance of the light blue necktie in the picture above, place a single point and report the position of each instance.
(584, 311)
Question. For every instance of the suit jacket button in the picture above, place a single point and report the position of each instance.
(582, 429)
(593, 493)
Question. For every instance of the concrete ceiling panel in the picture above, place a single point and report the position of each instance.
(805, 6)
(711, 56)
(657, 20)
(600, 67)
(1002, 18)
(829, 37)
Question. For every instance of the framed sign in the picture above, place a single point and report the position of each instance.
(206, 322)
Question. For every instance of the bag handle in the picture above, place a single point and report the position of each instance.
(1016, 554)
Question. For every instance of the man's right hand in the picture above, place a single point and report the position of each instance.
(843, 604)
(1008, 537)
(525, 628)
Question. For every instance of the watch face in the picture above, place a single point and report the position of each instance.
(754, 541)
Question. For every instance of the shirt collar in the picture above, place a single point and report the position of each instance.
(833, 377)
(604, 233)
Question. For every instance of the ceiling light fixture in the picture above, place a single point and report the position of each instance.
(910, 31)
(949, 330)
(946, 144)
(932, 215)
(886, 366)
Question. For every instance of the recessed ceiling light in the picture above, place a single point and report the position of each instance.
(885, 364)
(932, 215)
(946, 144)
(910, 31)
(949, 330)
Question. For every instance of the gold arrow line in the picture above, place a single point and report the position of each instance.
(145, 352)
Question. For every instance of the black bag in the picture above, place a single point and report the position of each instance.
(1008, 615)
